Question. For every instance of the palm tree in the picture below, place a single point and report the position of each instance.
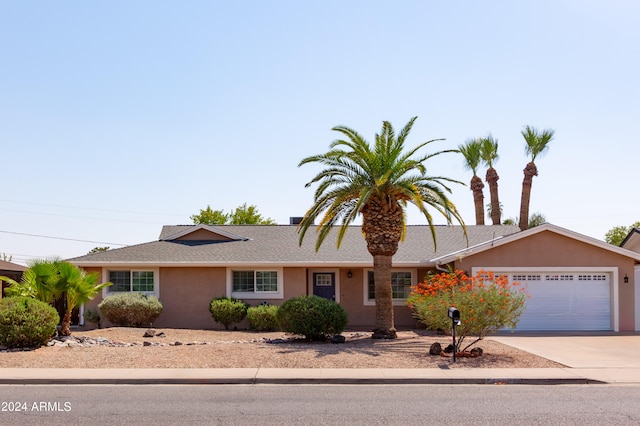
(471, 153)
(79, 287)
(376, 182)
(537, 143)
(39, 281)
(489, 154)
(47, 280)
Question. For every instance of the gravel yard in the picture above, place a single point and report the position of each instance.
(121, 347)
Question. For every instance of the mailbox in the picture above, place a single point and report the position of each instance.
(454, 314)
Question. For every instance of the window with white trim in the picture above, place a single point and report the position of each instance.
(132, 281)
(401, 282)
(253, 281)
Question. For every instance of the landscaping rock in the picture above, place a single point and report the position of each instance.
(149, 333)
(435, 349)
(477, 351)
(161, 334)
(448, 349)
(338, 339)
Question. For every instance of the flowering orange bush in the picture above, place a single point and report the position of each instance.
(487, 303)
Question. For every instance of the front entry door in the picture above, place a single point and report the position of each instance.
(324, 285)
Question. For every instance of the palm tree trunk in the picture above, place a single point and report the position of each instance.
(382, 226)
(65, 326)
(478, 198)
(384, 324)
(492, 180)
(529, 172)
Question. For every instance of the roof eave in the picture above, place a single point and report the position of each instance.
(532, 231)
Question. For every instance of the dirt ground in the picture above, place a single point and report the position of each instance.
(123, 347)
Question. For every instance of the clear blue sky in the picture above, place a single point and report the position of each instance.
(117, 117)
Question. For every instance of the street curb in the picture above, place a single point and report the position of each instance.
(300, 381)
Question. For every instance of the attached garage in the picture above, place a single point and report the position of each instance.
(575, 283)
(577, 301)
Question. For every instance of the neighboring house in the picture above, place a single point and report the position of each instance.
(10, 270)
(575, 282)
(632, 242)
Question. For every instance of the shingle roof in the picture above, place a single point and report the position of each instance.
(278, 245)
(10, 266)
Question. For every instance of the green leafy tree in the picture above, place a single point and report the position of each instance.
(243, 215)
(98, 249)
(510, 221)
(376, 181)
(617, 234)
(536, 144)
(471, 153)
(537, 219)
(210, 217)
(489, 154)
(248, 215)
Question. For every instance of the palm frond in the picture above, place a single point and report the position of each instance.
(357, 174)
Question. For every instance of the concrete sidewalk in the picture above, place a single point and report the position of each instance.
(321, 376)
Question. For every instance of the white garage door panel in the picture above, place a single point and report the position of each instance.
(566, 301)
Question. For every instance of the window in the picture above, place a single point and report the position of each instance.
(401, 282)
(135, 281)
(255, 281)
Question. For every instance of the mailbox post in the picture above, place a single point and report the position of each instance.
(454, 314)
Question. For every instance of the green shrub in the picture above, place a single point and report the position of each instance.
(227, 310)
(263, 317)
(26, 322)
(131, 309)
(314, 317)
(92, 316)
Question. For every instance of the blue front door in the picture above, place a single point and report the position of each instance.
(324, 285)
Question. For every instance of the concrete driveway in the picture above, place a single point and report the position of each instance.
(580, 351)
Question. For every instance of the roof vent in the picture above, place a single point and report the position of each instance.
(295, 220)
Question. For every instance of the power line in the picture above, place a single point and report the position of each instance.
(81, 217)
(91, 208)
(61, 238)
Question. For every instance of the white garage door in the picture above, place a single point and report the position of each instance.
(566, 301)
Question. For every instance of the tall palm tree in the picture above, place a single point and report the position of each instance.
(376, 182)
(471, 153)
(489, 154)
(79, 287)
(537, 143)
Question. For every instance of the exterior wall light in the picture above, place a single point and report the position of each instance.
(349, 274)
(626, 279)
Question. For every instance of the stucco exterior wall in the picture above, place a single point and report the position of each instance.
(361, 316)
(554, 250)
(186, 293)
